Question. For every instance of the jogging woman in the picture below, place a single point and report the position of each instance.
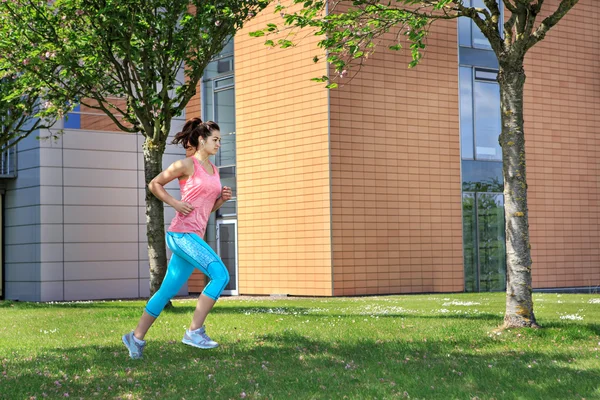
(201, 194)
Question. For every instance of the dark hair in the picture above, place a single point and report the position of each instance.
(194, 129)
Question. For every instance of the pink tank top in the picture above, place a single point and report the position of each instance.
(201, 190)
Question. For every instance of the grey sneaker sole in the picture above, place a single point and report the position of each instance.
(190, 343)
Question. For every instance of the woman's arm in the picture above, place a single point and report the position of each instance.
(157, 186)
(226, 194)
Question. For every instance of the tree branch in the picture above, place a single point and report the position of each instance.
(487, 26)
(549, 22)
(510, 6)
(508, 31)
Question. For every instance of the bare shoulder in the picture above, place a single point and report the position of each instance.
(184, 166)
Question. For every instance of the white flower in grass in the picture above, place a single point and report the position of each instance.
(594, 301)
(461, 303)
(572, 317)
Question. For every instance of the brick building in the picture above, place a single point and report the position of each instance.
(391, 183)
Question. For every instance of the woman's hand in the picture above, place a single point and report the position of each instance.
(226, 193)
(183, 207)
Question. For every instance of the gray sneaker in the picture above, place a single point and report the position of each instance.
(135, 349)
(198, 338)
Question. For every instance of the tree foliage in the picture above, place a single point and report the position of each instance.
(138, 62)
(19, 108)
(101, 52)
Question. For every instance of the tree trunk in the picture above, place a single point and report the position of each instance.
(155, 220)
(519, 300)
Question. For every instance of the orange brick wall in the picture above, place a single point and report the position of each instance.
(93, 119)
(562, 120)
(284, 224)
(396, 188)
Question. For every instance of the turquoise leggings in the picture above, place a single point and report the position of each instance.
(189, 252)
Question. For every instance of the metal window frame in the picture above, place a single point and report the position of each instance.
(233, 222)
(8, 162)
(487, 82)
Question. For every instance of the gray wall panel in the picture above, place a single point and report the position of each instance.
(22, 197)
(21, 253)
(100, 196)
(46, 233)
(51, 176)
(143, 251)
(144, 269)
(94, 140)
(51, 252)
(22, 272)
(51, 291)
(51, 195)
(101, 251)
(100, 178)
(51, 157)
(28, 158)
(51, 214)
(100, 233)
(101, 289)
(27, 178)
(101, 214)
(21, 216)
(117, 160)
(22, 234)
(23, 291)
(51, 271)
(144, 288)
(30, 142)
(85, 208)
(51, 233)
(89, 270)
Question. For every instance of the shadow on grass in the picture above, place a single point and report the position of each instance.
(290, 365)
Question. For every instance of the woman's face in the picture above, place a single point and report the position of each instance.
(211, 144)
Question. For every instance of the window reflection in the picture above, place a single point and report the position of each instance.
(484, 246)
(487, 120)
(219, 105)
(469, 34)
(479, 40)
(466, 112)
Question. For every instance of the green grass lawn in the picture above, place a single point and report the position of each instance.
(437, 346)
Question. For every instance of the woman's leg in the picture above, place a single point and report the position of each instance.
(178, 272)
(198, 253)
(145, 322)
(203, 307)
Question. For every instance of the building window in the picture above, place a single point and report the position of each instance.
(484, 247)
(469, 34)
(73, 119)
(480, 119)
(218, 98)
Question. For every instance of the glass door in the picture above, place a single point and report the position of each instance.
(484, 242)
(492, 246)
(227, 250)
